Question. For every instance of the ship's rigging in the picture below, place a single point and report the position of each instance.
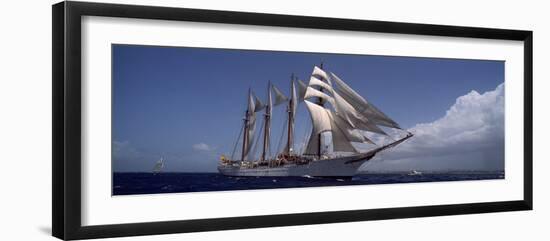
(337, 114)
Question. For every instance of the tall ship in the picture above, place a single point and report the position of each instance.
(342, 126)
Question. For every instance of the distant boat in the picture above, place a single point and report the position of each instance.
(159, 165)
(415, 173)
(339, 117)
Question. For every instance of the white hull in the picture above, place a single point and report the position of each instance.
(336, 167)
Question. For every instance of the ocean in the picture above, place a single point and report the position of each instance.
(129, 183)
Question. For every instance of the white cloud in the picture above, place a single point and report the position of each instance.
(469, 136)
(202, 147)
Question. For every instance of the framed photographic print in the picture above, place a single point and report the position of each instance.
(170, 120)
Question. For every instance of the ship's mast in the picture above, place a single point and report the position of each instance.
(320, 102)
(290, 110)
(245, 133)
(267, 126)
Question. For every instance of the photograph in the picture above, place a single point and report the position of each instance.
(189, 119)
(275, 120)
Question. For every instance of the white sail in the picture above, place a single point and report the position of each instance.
(321, 122)
(158, 165)
(319, 73)
(341, 137)
(319, 117)
(293, 98)
(311, 92)
(351, 134)
(361, 105)
(258, 105)
(269, 101)
(344, 109)
(369, 126)
(343, 134)
(346, 123)
(251, 124)
(355, 133)
(317, 82)
(356, 120)
(302, 87)
(279, 96)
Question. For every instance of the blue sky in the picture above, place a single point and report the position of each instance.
(186, 104)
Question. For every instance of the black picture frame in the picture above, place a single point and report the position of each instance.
(66, 159)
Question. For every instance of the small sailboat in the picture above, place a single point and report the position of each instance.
(415, 173)
(159, 165)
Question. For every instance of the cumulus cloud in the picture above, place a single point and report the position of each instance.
(202, 147)
(470, 136)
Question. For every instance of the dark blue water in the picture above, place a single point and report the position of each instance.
(148, 183)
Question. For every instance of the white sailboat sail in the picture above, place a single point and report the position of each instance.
(341, 136)
(254, 105)
(356, 120)
(319, 116)
(319, 73)
(159, 165)
(361, 105)
(293, 98)
(302, 87)
(258, 105)
(352, 114)
(352, 135)
(279, 96)
(342, 133)
(317, 82)
(311, 92)
(292, 107)
(321, 122)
